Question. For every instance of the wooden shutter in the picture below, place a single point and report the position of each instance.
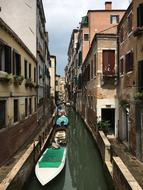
(121, 66)
(15, 110)
(29, 71)
(108, 62)
(18, 64)
(7, 50)
(25, 69)
(2, 113)
(140, 76)
(140, 15)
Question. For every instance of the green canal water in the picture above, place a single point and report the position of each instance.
(84, 169)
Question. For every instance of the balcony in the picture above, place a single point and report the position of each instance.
(109, 80)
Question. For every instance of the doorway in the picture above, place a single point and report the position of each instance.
(109, 115)
(2, 113)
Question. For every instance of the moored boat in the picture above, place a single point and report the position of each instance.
(53, 159)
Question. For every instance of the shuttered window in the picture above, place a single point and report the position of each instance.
(25, 69)
(130, 23)
(15, 110)
(16, 63)
(121, 66)
(129, 62)
(108, 62)
(26, 107)
(30, 105)
(140, 76)
(29, 71)
(2, 113)
(91, 69)
(5, 58)
(95, 65)
(121, 34)
(140, 15)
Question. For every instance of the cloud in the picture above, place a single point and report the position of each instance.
(62, 17)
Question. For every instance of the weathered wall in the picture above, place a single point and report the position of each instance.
(14, 137)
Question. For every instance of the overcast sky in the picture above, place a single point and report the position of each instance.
(62, 16)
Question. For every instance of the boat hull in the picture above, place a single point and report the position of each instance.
(46, 174)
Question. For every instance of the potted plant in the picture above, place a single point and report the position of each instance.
(29, 83)
(103, 125)
(18, 79)
(138, 96)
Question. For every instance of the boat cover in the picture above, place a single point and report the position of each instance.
(63, 119)
(52, 158)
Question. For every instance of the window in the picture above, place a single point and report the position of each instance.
(16, 110)
(25, 69)
(130, 23)
(26, 107)
(34, 74)
(5, 58)
(16, 63)
(121, 66)
(140, 76)
(87, 73)
(79, 58)
(35, 102)
(2, 113)
(121, 34)
(140, 15)
(129, 62)
(91, 69)
(30, 106)
(40, 72)
(95, 64)
(86, 37)
(29, 71)
(114, 19)
(108, 62)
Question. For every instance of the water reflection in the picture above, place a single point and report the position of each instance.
(83, 170)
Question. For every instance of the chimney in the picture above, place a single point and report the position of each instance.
(108, 5)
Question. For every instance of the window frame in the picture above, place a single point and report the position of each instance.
(114, 16)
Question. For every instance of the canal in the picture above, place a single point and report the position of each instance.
(84, 169)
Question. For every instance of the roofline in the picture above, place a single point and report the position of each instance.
(43, 13)
(112, 10)
(129, 7)
(16, 37)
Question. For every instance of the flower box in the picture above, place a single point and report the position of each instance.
(18, 79)
(29, 83)
(5, 77)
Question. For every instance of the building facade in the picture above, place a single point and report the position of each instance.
(53, 75)
(30, 28)
(130, 79)
(60, 89)
(96, 56)
(18, 97)
(100, 81)
(22, 20)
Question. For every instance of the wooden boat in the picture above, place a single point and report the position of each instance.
(53, 159)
